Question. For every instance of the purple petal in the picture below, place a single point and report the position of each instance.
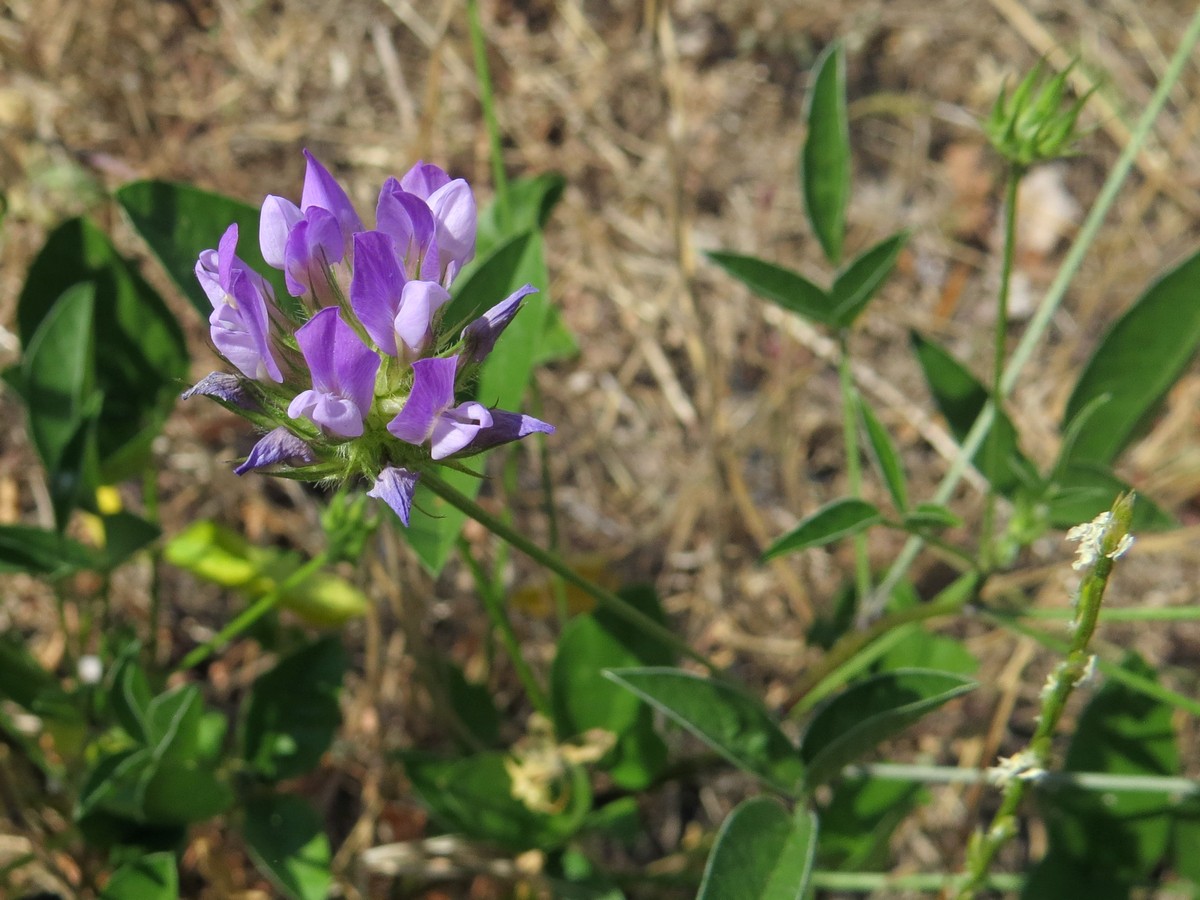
(227, 256)
(343, 372)
(275, 223)
(238, 328)
(321, 189)
(457, 427)
(206, 273)
(395, 487)
(423, 179)
(413, 323)
(224, 387)
(314, 244)
(506, 427)
(453, 208)
(480, 336)
(376, 287)
(407, 218)
(432, 394)
(277, 446)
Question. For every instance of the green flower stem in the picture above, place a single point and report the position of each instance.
(884, 884)
(150, 500)
(488, 102)
(554, 563)
(1050, 302)
(1051, 781)
(253, 613)
(987, 538)
(862, 562)
(493, 604)
(1126, 614)
(984, 845)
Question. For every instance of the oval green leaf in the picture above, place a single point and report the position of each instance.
(761, 853)
(781, 286)
(885, 455)
(825, 157)
(286, 840)
(152, 877)
(1138, 360)
(730, 722)
(857, 285)
(831, 522)
(867, 713)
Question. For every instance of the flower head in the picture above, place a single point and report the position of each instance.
(357, 378)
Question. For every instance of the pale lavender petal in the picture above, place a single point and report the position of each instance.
(250, 295)
(457, 427)
(275, 222)
(355, 366)
(432, 394)
(413, 323)
(322, 190)
(316, 337)
(423, 179)
(206, 273)
(277, 446)
(480, 336)
(407, 218)
(505, 428)
(227, 256)
(395, 487)
(224, 387)
(314, 244)
(453, 208)
(376, 287)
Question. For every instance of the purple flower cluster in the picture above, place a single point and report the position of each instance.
(356, 375)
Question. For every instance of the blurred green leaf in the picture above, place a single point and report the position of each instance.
(530, 203)
(140, 356)
(761, 853)
(474, 795)
(858, 821)
(885, 455)
(473, 704)
(153, 877)
(286, 839)
(929, 516)
(854, 288)
(867, 713)
(124, 535)
(1084, 490)
(1138, 360)
(178, 221)
(23, 680)
(37, 551)
(1125, 834)
(293, 713)
(729, 721)
(960, 398)
(825, 156)
(832, 522)
(788, 289)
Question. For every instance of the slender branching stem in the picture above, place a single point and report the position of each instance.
(862, 561)
(487, 101)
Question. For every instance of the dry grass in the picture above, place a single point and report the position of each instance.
(698, 422)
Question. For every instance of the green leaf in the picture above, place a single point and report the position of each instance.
(530, 204)
(40, 552)
(1057, 876)
(860, 718)
(23, 680)
(854, 288)
(177, 221)
(473, 795)
(473, 704)
(152, 877)
(1138, 360)
(140, 355)
(58, 386)
(885, 455)
(1120, 732)
(729, 721)
(286, 840)
(930, 515)
(761, 853)
(581, 697)
(832, 522)
(293, 713)
(961, 398)
(1084, 490)
(825, 157)
(788, 289)
(124, 535)
(858, 821)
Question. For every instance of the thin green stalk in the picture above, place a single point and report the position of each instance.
(555, 564)
(493, 604)
(1125, 614)
(548, 506)
(1050, 302)
(252, 613)
(1029, 765)
(150, 499)
(862, 562)
(987, 538)
(873, 882)
(488, 102)
(1051, 781)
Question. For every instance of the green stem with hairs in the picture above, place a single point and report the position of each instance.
(488, 102)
